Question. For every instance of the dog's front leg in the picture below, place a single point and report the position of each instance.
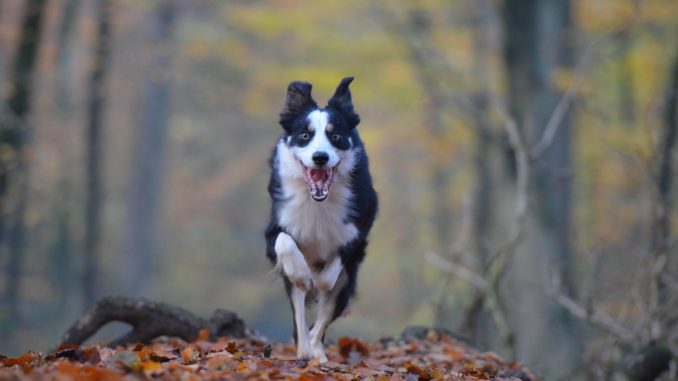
(325, 311)
(297, 271)
(327, 283)
(292, 261)
(304, 350)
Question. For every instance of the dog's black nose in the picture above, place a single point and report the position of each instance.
(320, 158)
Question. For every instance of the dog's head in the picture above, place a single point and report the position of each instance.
(319, 138)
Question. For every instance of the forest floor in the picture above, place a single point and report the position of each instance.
(433, 357)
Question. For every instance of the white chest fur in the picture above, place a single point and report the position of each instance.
(319, 228)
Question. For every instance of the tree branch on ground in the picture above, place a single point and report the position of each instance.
(150, 320)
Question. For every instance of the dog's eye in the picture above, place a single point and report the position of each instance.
(304, 136)
(336, 137)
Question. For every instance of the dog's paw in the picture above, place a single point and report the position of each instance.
(318, 351)
(293, 262)
(304, 350)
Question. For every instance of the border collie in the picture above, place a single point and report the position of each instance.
(323, 206)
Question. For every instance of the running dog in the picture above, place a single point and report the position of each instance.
(323, 207)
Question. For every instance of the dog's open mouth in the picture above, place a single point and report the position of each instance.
(319, 181)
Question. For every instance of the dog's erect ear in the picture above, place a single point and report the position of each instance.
(341, 101)
(299, 100)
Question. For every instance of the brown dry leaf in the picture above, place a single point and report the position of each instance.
(231, 347)
(171, 358)
(149, 368)
(424, 374)
(188, 355)
(244, 368)
(352, 350)
(204, 335)
(454, 352)
(87, 372)
(143, 353)
(24, 361)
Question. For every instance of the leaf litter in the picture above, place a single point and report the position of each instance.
(438, 358)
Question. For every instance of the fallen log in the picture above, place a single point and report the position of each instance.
(150, 320)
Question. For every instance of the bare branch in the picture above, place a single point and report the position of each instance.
(522, 179)
(457, 269)
(583, 66)
(593, 315)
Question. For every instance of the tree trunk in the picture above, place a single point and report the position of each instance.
(13, 137)
(145, 186)
(477, 322)
(441, 214)
(626, 90)
(662, 238)
(93, 138)
(64, 64)
(62, 251)
(538, 39)
(419, 25)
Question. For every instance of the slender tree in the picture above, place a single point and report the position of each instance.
(419, 28)
(662, 238)
(145, 185)
(69, 15)
(477, 322)
(94, 143)
(62, 250)
(537, 39)
(13, 138)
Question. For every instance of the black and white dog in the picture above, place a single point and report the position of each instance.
(323, 208)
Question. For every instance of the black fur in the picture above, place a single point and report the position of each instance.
(363, 205)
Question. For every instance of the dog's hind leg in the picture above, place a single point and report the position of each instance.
(326, 306)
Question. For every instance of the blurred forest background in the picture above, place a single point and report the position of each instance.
(523, 151)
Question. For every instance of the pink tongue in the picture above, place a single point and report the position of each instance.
(318, 174)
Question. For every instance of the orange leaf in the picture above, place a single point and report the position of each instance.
(187, 355)
(348, 345)
(423, 374)
(149, 368)
(204, 335)
(86, 372)
(345, 344)
(143, 353)
(243, 368)
(24, 361)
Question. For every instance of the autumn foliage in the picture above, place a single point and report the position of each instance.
(350, 359)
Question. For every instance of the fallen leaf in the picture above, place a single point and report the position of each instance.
(149, 368)
(204, 335)
(188, 355)
(231, 347)
(24, 361)
(424, 375)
